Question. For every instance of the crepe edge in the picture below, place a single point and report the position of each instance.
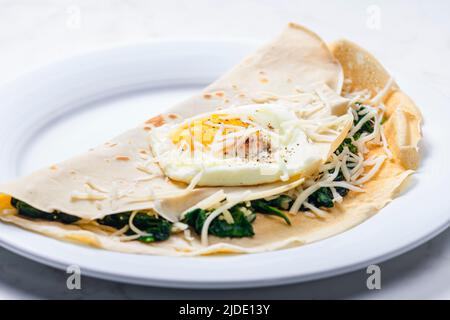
(403, 127)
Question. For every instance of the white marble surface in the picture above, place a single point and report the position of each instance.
(407, 34)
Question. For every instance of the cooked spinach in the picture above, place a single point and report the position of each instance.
(367, 127)
(158, 229)
(117, 221)
(195, 219)
(241, 227)
(25, 210)
(322, 198)
(346, 143)
(263, 206)
(282, 202)
(342, 191)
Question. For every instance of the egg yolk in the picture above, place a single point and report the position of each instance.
(5, 202)
(204, 130)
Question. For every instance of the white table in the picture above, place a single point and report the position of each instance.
(412, 35)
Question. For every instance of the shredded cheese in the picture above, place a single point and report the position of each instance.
(144, 168)
(95, 187)
(275, 191)
(133, 227)
(377, 163)
(206, 203)
(369, 116)
(120, 231)
(179, 226)
(385, 143)
(75, 196)
(309, 191)
(382, 93)
(167, 195)
(320, 213)
(228, 217)
(336, 196)
(187, 235)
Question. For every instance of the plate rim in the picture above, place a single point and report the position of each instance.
(238, 284)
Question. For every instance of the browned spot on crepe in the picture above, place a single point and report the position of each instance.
(156, 121)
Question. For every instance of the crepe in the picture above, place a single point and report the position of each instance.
(118, 176)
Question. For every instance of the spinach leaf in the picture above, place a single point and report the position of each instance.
(195, 218)
(158, 229)
(367, 127)
(117, 221)
(241, 227)
(346, 143)
(342, 191)
(322, 198)
(28, 211)
(262, 206)
(282, 202)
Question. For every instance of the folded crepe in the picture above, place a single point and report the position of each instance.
(352, 139)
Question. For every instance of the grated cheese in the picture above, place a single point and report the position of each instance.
(167, 195)
(320, 213)
(120, 231)
(187, 235)
(382, 93)
(310, 190)
(179, 226)
(385, 143)
(144, 168)
(133, 227)
(369, 175)
(270, 192)
(336, 196)
(228, 217)
(75, 196)
(369, 116)
(207, 202)
(344, 168)
(95, 187)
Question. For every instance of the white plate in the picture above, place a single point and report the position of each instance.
(67, 107)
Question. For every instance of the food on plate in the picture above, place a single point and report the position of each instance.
(298, 142)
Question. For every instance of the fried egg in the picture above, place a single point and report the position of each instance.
(247, 145)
